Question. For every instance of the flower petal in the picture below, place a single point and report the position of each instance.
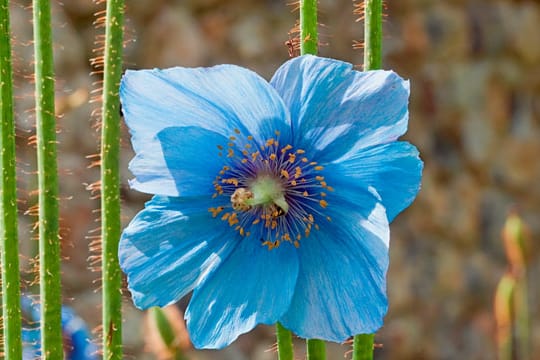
(394, 170)
(169, 247)
(253, 286)
(341, 287)
(335, 110)
(178, 161)
(221, 98)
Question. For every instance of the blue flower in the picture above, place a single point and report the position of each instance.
(77, 340)
(272, 200)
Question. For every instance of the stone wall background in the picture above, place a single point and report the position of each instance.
(474, 68)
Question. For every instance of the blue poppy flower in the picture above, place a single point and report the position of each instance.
(272, 200)
(77, 339)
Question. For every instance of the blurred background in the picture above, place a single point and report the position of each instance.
(474, 68)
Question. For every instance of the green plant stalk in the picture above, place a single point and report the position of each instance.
(373, 35)
(110, 182)
(523, 314)
(363, 347)
(504, 311)
(316, 349)
(308, 27)
(284, 343)
(363, 343)
(9, 244)
(49, 241)
(309, 41)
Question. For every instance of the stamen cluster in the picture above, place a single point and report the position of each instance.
(276, 193)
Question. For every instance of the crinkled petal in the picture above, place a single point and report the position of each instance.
(394, 170)
(170, 247)
(253, 286)
(336, 110)
(341, 287)
(178, 161)
(222, 98)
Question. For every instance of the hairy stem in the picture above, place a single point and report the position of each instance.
(284, 343)
(9, 245)
(49, 242)
(373, 35)
(110, 180)
(316, 349)
(363, 344)
(363, 347)
(308, 27)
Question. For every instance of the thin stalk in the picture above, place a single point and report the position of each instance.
(9, 244)
(110, 180)
(373, 35)
(316, 349)
(363, 343)
(49, 242)
(284, 343)
(308, 27)
(363, 347)
(523, 327)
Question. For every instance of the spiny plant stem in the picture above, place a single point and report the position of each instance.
(316, 349)
(110, 180)
(373, 35)
(49, 242)
(9, 245)
(363, 347)
(284, 343)
(363, 344)
(308, 27)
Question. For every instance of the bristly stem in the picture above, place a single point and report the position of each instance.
(309, 40)
(373, 35)
(49, 242)
(363, 344)
(110, 181)
(284, 343)
(9, 243)
(316, 349)
(308, 27)
(363, 347)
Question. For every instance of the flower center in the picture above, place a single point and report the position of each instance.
(276, 194)
(263, 191)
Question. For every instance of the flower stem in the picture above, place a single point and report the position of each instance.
(308, 27)
(284, 343)
(9, 245)
(373, 35)
(363, 347)
(363, 343)
(49, 242)
(110, 180)
(316, 349)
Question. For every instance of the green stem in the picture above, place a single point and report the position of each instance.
(49, 242)
(363, 344)
(9, 245)
(284, 343)
(110, 181)
(523, 317)
(363, 347)
(316, 349)
(373, 35)
(308, 27)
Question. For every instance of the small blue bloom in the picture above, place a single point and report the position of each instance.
(77, 340)
(272, 200)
